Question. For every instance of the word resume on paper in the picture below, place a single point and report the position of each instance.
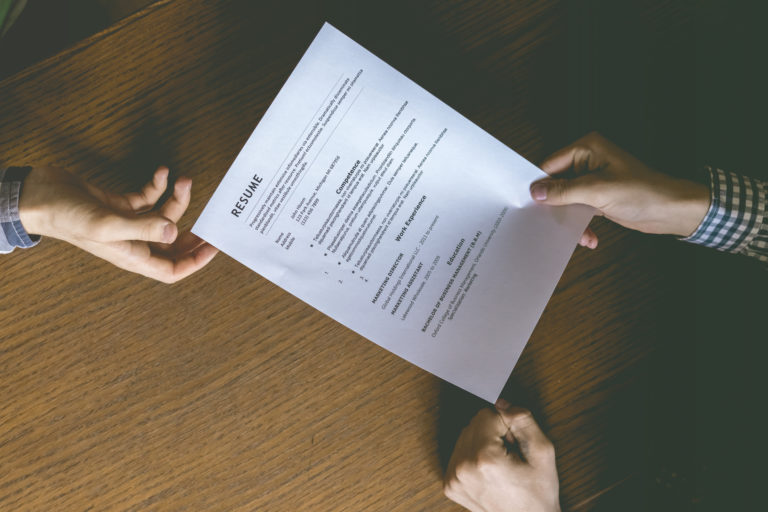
(371, 200)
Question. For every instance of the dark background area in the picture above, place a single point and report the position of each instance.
(682, 91)
(679, 85)
(48, 26)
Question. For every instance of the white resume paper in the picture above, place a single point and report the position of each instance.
(371, 200)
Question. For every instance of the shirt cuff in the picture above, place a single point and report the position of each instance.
(12, 233)
(736, 213)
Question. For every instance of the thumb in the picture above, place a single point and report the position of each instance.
(114, 227)
(557, 192)
(534, 445)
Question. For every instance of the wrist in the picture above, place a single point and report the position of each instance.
(689, 207)
(34, 209)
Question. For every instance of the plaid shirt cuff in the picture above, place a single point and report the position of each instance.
(12, 233)
(737, 220)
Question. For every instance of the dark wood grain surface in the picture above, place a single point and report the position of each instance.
(223, 392)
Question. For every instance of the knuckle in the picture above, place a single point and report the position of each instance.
(465, 469)
(147, 231)
(171, 279)
(449, 489)
(585, 152)
(484, 415)
(164, 277)
(522, 417)
(548, 449)
(594, 137)
(486, 462)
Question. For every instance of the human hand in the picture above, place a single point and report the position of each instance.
(622, 188)
(503, 462)
(119, 228)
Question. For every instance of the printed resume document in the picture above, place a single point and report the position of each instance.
(371, 200)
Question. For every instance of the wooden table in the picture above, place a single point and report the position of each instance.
(223, 392)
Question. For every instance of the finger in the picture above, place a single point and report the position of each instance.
(150, 193)
(453, 490)
(116, 226)
(534, 445)
(177, 204)
(460, 463)
(172, 270)
(558, 192)
(576, 156)
(560, 161)
(588, 239)
(183, 244)
(487, 427)
(572, 158)
(485, 430)
(187, 242)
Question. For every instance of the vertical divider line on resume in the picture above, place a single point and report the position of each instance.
(314, 116)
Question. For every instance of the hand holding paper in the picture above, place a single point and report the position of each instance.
(622, 188)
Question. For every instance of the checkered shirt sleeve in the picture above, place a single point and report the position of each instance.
(737, 220)
(12, 233)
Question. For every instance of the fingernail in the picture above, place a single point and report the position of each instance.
(502, 404)
(168, 233)
(539, 191)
